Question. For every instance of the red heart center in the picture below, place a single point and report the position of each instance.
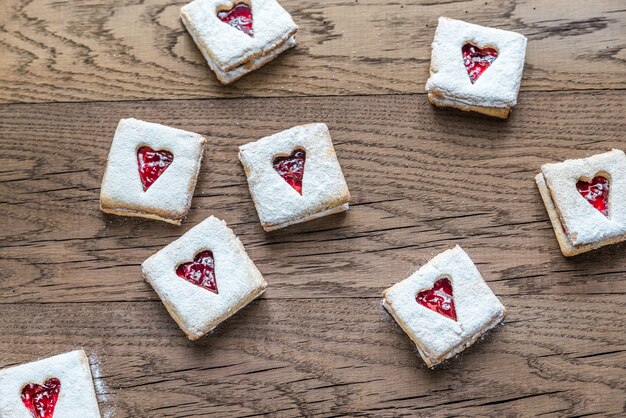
(152, 164)
(41, 400)
(439, 298)
(596, 192)
(200, 271)
(477, 60)
(291, 168)
(239, 17)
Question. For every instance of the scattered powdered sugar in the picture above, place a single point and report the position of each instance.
(102, 392)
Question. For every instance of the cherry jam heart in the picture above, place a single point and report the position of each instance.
(291, 168)
(152, 164)
(239, 17)
(41, 400)
(439, 298)
(477, 60)
(596, 193)
(200, 271)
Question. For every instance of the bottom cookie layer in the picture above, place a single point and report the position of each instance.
(498, 112)
(227, 77)
(336, 209)
(139, 214)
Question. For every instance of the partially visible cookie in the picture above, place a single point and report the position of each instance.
(586, 200)
(60, 386)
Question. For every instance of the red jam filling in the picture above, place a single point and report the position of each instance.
(439, 298)
(596, 192)
(41, 400)
(291, 168)
(239, 17)
(152, 164)
(200, 271)
(477, 60)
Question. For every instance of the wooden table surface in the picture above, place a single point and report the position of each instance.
(318, 342)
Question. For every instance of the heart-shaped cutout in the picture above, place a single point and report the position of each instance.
(41, 399)
(439, 299)
(200, 271)
(152, 164)
(239, 17)
(477, 60)
(596, 192)
(291, 168)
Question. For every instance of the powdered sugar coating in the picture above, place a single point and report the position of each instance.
(197, 310)
(77, 398)
(323, 185)
(497, 87)
(169, 198)
(436, 336)
(227, 77)
(584, 224)
(103, 393)
(229, 47)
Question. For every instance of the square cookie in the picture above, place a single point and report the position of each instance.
(151, 171)
(61, 385)
(204, 277)
(294, 176)
(586, 201)
(475, 68)
(238, 36)
(444, 306)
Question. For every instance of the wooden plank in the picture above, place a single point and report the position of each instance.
(422, 179)
(562, 355)
(100, 50)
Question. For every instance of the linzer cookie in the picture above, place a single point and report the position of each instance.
(204, 277)
(55, 387)
(238, 36)
(444, 306)
(586, 201)
(475, 68)
(151, 171)
(294, 176)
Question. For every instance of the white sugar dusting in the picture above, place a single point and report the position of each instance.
(102, 391)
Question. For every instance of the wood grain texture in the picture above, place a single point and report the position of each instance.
(318, 342)
(422, 180)
(556, 355)
(138, 49)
